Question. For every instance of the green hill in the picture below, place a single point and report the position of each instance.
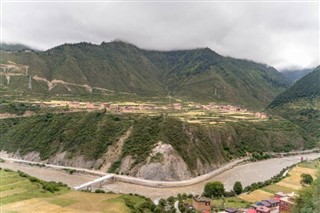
(295, 75)
(202, 74)
(301, 103)
(132, 142)
(308, 87)
(15, 47)
(118, 68)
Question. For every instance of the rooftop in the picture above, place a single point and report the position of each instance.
(231, 210)
(272, 201)
(263, 209)
(201, 199)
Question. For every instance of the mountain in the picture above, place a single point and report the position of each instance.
(120, 68)
(202, 74)
(301, 103)
(306, 88)
(150, 147)
(14, 47)
(294, 75)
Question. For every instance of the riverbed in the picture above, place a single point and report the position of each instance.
(247, 174)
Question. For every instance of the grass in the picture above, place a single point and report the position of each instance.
(293, 181)
(311, 165)
(15, 188)
(286, 185)
(62, 201)
(18, 194)
(230, 202)
(255, 196)
(276, 188)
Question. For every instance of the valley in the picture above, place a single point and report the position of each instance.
(118, 69)
(264, 170)
(159, 107)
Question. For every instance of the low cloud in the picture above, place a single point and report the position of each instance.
(280, 34)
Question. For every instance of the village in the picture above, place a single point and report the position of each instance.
(280, 203)
(279, 197)
(190, 112)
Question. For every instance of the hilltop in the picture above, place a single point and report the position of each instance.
(118, 68)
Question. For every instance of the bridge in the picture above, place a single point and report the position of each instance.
(89, 184)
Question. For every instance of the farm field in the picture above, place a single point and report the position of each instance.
(230, 202)
(293, 181)
(18, 194)
(286, 185)
(256, 195)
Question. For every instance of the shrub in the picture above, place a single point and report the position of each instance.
(237, 187)
(115, 165)
(306, 179)
(214, 189)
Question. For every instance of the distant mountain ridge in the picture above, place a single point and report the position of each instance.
(307, 87)
(301, 103)
(295, 75)
(118, 67)
(14, 47)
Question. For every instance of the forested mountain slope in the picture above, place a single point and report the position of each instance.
(121, 68)
(144, 146)
(301, 103)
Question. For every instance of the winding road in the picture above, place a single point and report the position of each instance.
(246, 173)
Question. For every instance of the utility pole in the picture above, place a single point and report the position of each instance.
(30, 83)
(29, 76)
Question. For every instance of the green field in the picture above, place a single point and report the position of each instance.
(24, 194)
(15, 188)
(311, 165)
(230, 202)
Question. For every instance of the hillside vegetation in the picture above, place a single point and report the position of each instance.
(119, 68)
(295, 75)
(90, 135)
(301, 103)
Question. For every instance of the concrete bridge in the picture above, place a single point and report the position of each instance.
(153, 183)
(89, 184)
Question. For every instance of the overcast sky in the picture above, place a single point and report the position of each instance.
(283, 35)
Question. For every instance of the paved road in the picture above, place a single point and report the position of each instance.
(176, 206)
(247, 174)
(98, 180)
(89, 171)
(134, 180)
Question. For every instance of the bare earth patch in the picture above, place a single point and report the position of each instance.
(256, 195)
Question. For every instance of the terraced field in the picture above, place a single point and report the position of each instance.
(19, 194)
(286, 185)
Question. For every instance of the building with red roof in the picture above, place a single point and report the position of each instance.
(263, 209)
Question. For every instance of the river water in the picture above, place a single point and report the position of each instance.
(246, 174)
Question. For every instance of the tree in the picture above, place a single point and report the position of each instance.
(214, 189)
(237, 187)
(158, 209)
(162, 202)
(306, 179)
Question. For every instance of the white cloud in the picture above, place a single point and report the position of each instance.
(280, 34)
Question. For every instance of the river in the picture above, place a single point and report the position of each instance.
(246, 174)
